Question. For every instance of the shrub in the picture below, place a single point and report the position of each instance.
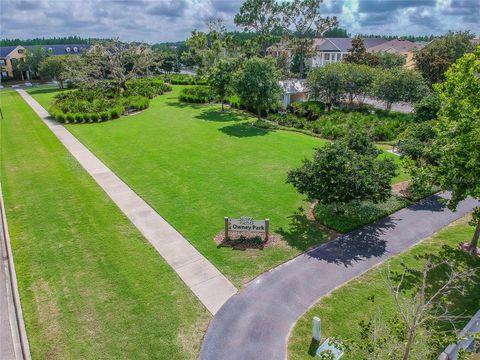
(184, 79)
(104, 116)
(427, 108)
(94, 117)
(86, 117)
(60, 116)
(116, 112)
(307, 109)
(70, 118)
(135, 103)
(264, 124)
(78, 117)
(195, 94)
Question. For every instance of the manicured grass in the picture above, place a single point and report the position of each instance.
(363, 298)
(359, 215)
(195, 165)
(91, 286)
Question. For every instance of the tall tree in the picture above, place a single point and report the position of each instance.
(55, 68)
(358, 54)
(261, 16)
(457, 142)
(398, 85)
(220, 78)
(256, 83)
(301, 19)
(435, 58)
(33, 58)
(326, 83)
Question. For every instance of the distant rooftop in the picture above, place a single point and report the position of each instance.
(5, 50)
(62, 49)
(396, 45)
(344, 44)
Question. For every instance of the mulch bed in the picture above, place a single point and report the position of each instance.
(401, 189)
(465, 246)
(245, 240)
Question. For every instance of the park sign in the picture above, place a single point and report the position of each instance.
(247, 224)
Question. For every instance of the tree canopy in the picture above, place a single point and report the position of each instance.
(345, 171)
(256, 84)
(435, 58)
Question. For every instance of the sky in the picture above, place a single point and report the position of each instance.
(155, 21)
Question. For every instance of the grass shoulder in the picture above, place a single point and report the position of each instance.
(368, 295)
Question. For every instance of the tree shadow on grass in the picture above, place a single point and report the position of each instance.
(45, 90)
(463, 304)
(184, 105)
(357, 245)
(243, 130)
(220, 116)
(303, 233)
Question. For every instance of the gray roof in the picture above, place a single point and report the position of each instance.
(293, 86)
(5, 50)
(344, 44)
(62, 49)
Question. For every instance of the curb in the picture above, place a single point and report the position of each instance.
(19, 334)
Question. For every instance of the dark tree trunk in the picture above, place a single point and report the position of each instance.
(301, 66)
(60, 82)
(222, 106)
(474, 243)
(259, 113)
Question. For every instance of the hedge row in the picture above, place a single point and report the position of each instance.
(184, 79)
(123, 106)
(196, 94)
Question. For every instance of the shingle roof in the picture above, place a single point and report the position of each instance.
(5, 50)
(62, 48)
(396, 45)
(344, 44)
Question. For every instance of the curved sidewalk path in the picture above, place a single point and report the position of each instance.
(255, 323)
(211, 287)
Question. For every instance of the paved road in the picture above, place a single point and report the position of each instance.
(255, 323)
(13, 338)
(400, 107)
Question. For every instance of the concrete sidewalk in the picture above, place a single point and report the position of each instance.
(255, 323)
(207, 283)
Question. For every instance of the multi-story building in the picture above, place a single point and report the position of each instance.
(10, 56)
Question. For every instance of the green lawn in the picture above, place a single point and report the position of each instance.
(195, 165)
(91, 286)
(341, 311)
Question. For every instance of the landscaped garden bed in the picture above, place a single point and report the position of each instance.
(311, 117)
(105, 100)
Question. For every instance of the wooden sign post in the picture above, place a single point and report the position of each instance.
(226, 227)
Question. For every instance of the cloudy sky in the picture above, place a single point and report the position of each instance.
(170, 20)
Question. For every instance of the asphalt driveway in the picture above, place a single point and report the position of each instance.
(255, 323)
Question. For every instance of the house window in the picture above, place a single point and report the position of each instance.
(50, 50)
(20, 51)
(75, 49)
(327, 57)
(338, 57)
(67, 49)
(3, 62)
